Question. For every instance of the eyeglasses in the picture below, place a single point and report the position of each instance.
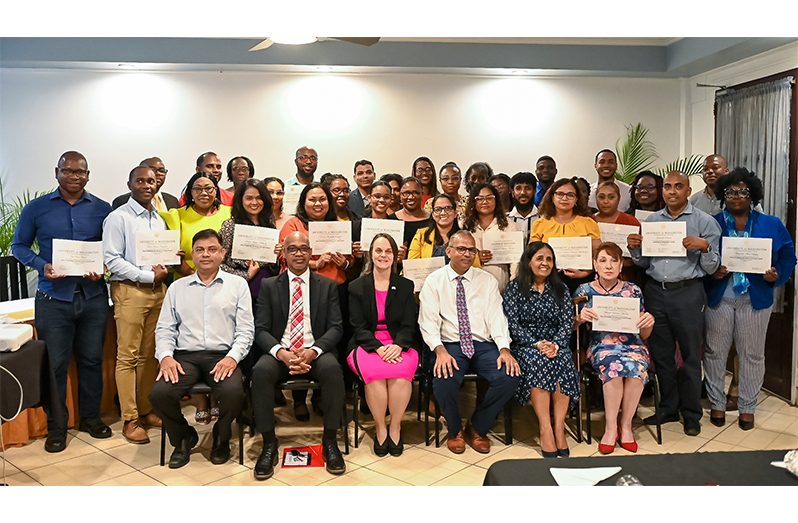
(205, 189)
(441, 210)
(80, 173)
(647, 188)
(410, 193)
(490, 197)
(305, 158)
(462, 251)
(304, 249)
(565, 195)
(209, 250)
(276, 193)
(453, 179)
(736, 193)
(344, 190)
(162, 170)
(424, 170)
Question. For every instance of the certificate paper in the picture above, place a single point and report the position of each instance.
(615, 233)
(616, 314)
(157, 248)
(370, 227)
(330, 237)
(663, 238)
(291, 198)
(418, 270)
(573, 253)
(505, 246)
(76, 258)
(641, 215)
(255, 243)
(751, 255)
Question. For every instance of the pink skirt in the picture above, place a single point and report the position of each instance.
(372, 367)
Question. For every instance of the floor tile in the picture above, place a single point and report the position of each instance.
(472, 476)
(246, 479)
(199, 471)
(9, 468)
(22, 480)
(420, 467)
(141, 456)
(309, 476)
(517, 451)
(784, 441)
(132, 479)
(33, 455)
(83, 470)
(365, 477)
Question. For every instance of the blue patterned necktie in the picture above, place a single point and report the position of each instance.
(464, 325)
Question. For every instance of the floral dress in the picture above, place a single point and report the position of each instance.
(616, 354)
(534, 318)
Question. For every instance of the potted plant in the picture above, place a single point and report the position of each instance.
(637, 153)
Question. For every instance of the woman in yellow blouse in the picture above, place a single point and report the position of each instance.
(203, 210)
(565, 214)
(430, 242)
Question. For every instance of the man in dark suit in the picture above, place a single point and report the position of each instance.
(364, 177)
(297, 329)
(162, 201)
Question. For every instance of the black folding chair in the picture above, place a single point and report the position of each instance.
(13, 279)
(311, 384)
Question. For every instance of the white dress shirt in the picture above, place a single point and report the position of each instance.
(438, 310)
(523, 223)
(307, 339)
(119, 241)
(214, 317)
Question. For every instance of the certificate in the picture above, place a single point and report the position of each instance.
(418, 270)
(751, 255)
(615, 233)
(641, 215)
(157, 248)
(370, 227)
(291, 198)
(505, 246)
(255, 243)
(616, 314)
(330, 237)
(663, 238)
(574, 252)
(76, 258)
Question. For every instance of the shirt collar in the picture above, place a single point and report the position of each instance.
(194, 279)
(138, 208)
(453, 274)
(56, 195)
(515, 214)
(687, 210)
(305, 276)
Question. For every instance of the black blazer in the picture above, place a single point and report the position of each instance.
(272, 312)
(401, 315)
(170, 201)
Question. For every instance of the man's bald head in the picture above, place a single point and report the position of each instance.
(72, 155)
(680, 175)
(296, 249)
(296, 238)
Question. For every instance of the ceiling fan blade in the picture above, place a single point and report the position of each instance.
(368, 40)
(265, 44)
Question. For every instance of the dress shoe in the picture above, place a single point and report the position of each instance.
(631, 446)
(269, 456)
(746, 421)
(395, 449)
(457, 443)
(182, 452)
(150, 421)
(717, 417)
(55, 442)
(564, 453)
(652, 420)
(380, 449)
(547, 454)
(95, 427)
(301, 412)
(134, 432)
(333, 459)
(220, 451)
(606, 449)
(692, 427)
(479, 443)
(731, 402)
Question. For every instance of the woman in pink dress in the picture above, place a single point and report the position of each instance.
(384, 319)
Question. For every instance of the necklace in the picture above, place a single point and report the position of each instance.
(606, 290)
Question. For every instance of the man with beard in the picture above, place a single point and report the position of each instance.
(522, 187)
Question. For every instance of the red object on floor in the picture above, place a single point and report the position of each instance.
(314, 451)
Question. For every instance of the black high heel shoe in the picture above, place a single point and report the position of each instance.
(395, 449)
(381, 449)
(552, 454)
(564, 453)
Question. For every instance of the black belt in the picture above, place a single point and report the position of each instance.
(149, 286)
(671, 285)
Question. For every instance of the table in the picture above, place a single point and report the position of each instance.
(31, 366)
(698, 468)
(32, 422)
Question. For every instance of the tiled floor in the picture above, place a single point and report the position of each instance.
(113, 461)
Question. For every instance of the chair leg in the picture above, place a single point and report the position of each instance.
(355, 413)
(588, 412)
(420, 397)
(656, 410)
(346, 433)
(508, 423)
(425, 399)
(240, 443)
(437, 427)
(163, 445)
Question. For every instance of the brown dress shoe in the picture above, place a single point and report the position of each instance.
(150, 421)
(746, 421)
(456, 444)
(731, 403)
(717, 417)
(135, 433)
(479, 443)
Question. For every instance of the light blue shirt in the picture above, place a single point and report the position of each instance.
(293, 181)
(696, 264)
(119, 241)
(215, 317)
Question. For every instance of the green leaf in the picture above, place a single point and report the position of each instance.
(635, 153)
(690, 166)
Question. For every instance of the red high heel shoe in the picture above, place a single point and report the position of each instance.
(631, 446)
(606, 449)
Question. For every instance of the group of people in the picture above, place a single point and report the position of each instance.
(229, 321)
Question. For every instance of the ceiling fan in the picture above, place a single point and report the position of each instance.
(294, 40)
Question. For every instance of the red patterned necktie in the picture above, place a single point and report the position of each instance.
(464, 325)
(297, 316)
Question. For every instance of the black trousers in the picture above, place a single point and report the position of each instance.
(268, 372)
(678, 318)
(165, 397)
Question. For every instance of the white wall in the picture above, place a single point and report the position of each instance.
(118, 118)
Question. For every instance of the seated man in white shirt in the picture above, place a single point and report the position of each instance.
(205, 329)
(461, 321)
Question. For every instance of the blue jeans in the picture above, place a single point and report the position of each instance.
(78, 328)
